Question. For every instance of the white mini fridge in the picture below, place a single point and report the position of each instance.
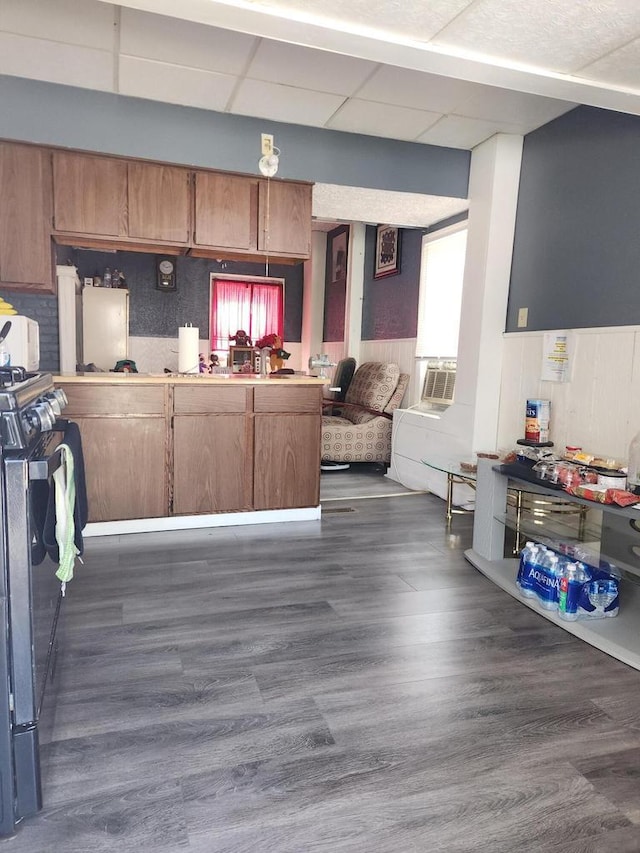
(105, 326)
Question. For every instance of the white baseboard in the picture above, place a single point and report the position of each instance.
(191, 522)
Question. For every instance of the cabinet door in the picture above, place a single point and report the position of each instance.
(287, 461)
(226, 211)
(159, 203)
(211, 463)
(284, 219)
(26, 256)
(125, 462)
(89, 194)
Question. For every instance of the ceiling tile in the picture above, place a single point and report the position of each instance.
(70, 65)
(359, 204)
(183, 43)
(174, 84)
(284, 103)
(554, 34)
(391, 85)
(382, 120)
(69, 21)
(619, 68)
(417, 20)
(306, 68)
(460, 132)
(520, 108)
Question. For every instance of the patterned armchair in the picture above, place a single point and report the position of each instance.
(362, 430)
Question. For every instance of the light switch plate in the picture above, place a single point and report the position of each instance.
(267, 144)
(523, 318)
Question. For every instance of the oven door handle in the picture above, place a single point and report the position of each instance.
(42, 469)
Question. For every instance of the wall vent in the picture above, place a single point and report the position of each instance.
(439, 385)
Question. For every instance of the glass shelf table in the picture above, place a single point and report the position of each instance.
(451, 466)
(522, 499)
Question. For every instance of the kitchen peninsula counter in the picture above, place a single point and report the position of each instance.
(172, 451)
(187, 379)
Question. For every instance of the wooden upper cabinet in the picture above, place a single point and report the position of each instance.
(284, 218)
(90, 194)
(26, 256)
(92, 200)
(159, 203)
(226, 211)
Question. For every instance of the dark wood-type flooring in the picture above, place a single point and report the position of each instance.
(345, 685)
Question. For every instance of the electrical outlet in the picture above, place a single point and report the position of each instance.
(523, 318)
(267, 144)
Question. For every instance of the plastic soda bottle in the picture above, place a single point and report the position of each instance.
(573, 577)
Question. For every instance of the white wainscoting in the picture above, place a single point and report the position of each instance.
(416, 434)
(403, 353)
(335, 351)
(152, 355)
(295, 358)
(598, 409)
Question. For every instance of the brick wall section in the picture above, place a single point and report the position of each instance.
(44, 309)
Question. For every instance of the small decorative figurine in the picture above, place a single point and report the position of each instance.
(277, 356)
(214, 361)
(241, 338)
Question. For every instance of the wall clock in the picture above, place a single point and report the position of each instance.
(166, 274)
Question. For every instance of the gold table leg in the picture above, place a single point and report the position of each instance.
(516, 546)
(449, 499)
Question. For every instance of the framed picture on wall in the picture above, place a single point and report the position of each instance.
(387, 251)
(339, 257)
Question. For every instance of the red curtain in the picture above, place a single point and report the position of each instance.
(266, 311)
(255, 307)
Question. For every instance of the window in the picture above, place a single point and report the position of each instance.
(255, 305)
(441, 279)
(441, 275)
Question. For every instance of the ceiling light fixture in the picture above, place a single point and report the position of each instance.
(268, 164)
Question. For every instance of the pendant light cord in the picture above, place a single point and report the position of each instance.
(267, 228)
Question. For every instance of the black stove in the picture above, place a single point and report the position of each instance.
(30, 593)
(29, 406)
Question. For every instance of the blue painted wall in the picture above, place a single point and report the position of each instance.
(50, 114)
(576, 258)
(44, 309)
(153, 313)
(96, 121)
(390, 307)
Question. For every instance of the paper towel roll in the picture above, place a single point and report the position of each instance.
(188, 349)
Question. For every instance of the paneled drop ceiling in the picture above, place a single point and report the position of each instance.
(443, 72)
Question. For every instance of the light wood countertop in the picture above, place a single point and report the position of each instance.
(198, 379)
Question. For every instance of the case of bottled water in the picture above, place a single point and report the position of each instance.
(567, 583)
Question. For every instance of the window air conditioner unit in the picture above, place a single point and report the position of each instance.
(439, 384)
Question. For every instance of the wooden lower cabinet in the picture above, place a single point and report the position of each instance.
(126, 463)
(286, 461)
(212, 463)
(154, 450)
